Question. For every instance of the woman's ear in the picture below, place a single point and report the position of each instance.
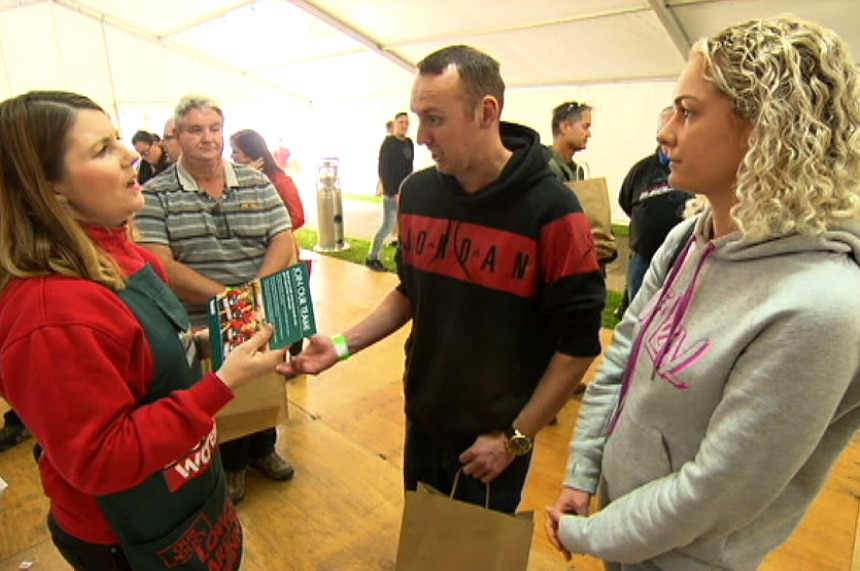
(61, 198)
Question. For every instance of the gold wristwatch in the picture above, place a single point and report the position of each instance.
(517, 442)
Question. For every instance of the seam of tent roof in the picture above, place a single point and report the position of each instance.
(20, 4)
(207, 18)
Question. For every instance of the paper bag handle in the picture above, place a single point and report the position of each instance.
(486, 487)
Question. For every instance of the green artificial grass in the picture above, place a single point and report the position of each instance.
(621, 230)
(357, 254)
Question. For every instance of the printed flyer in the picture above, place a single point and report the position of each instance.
(282, 299)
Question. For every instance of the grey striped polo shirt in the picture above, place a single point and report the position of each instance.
(224, 240)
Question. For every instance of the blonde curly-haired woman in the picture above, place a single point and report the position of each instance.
(732, 384)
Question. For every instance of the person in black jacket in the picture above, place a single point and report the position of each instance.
(395, 164)
(153, 159)
(499, 278)
(654, 208)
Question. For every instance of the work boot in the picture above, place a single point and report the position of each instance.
(273, 466)
(13, 434)
(236, 485)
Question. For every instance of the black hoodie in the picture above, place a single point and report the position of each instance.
(499, 280)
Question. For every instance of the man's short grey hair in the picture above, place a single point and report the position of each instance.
(170, 126)
(663, 117)
(190, 102)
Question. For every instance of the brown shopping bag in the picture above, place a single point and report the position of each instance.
(439, 533)
(594, 197)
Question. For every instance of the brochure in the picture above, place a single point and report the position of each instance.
(282, 299)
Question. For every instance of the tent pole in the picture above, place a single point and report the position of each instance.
(672, 26)
(110, 76)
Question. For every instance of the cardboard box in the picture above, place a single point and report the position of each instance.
(259, 405)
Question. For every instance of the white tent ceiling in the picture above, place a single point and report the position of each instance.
(323, 76)
(150, 52)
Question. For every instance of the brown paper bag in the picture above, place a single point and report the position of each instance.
(442, 534)
(594, 197)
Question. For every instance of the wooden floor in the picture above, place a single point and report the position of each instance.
(345, 437)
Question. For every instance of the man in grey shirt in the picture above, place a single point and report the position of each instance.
(214, 224)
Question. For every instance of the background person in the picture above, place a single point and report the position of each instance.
(215, 224)
(652, 205)
(571, 130)
(153, 160)
(395, 164)
(249, 149)
(168, 141)
(713, 433)
(129, 408)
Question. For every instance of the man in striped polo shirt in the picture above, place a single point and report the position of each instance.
(215, 224)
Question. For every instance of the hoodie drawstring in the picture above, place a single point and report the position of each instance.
(679, 312)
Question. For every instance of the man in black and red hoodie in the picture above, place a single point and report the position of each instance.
(499, 277)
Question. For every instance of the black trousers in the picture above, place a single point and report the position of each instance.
(236, 453)
(11, 418)
(85, 556)
(436, 461)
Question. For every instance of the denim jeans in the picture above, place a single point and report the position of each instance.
(236, 453)
(389, 219)
(635, 274)
(85, 556)
(435, 461)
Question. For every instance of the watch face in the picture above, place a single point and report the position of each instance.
(520, 444)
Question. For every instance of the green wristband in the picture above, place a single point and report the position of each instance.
(341, 347)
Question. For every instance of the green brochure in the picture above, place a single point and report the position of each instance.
(282, 299)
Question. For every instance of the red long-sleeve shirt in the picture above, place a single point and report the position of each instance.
(75, 364)
(290, 195)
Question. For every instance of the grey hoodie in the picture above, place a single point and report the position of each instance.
(741, 393)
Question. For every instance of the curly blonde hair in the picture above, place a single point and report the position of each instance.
(797, 83)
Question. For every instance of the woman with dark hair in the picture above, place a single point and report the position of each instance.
(97, 356)
(249, 148)
(153, 158)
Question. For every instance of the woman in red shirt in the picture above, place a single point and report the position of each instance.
(97, 355)
(249, 148)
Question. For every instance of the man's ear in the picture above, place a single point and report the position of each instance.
(564, 126)
(490, 111)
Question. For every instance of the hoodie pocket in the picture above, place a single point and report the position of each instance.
(635, 454)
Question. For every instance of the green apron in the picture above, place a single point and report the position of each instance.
(179, 518)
